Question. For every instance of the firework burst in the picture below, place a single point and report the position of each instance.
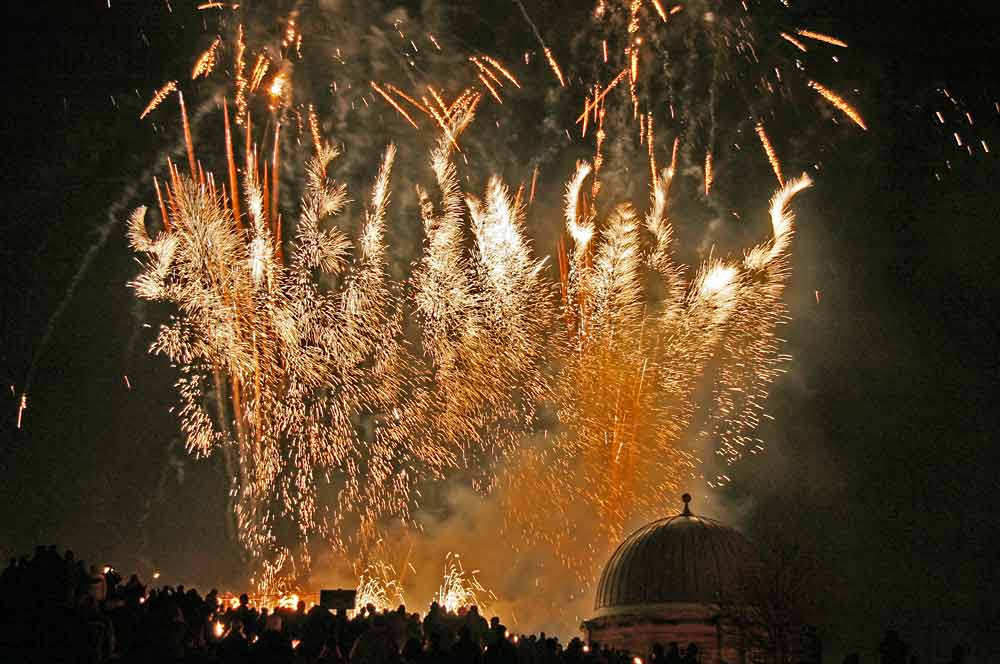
(335, 391)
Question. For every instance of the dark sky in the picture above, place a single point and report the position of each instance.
(880, 456)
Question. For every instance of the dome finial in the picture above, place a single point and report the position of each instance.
(687, 508)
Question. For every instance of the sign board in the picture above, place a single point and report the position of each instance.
(337, 599)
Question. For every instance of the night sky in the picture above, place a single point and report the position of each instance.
(880, 459)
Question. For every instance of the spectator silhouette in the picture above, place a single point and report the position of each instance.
(375, 646)
(892, 649)
(234, 646)
(501, 651)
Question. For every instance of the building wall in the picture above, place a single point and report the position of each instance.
(681, 624)
(719, 641)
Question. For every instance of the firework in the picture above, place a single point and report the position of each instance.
(334, 390)
(705, 73)
(297, 365)
(632, 367)
(380, 586)
(460, 588)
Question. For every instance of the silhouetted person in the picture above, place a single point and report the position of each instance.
(97, 585)
(331, 653)
(111, 580)
(892, 649)
(466, 650)
(690, 654)
(501, 651)
(376, 646)
(957, 655)
(234, 647)
(413, 652)
(435, 653)
(673, 655)
(478, 627)
(491, 634)
(273, 647)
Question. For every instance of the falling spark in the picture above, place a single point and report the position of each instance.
(23, 406)
(503, 70)
(394, 104)
(659, 10)
(650, 146)
(555, 66)
(839, 103)
(486, 71)
(491, 89)
(188, 142)
(158, 98)
(709, 176)
(206, 63)
(597, 100)
(794, 42)
(240, 74)
(819, 36)
(408, 98)
(314, 128)
(772, 156)
(259, 71)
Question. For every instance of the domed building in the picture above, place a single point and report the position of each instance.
(682, 580)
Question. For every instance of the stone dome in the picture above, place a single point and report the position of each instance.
(684, 559)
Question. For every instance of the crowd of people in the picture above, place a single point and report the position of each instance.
(54, 608)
